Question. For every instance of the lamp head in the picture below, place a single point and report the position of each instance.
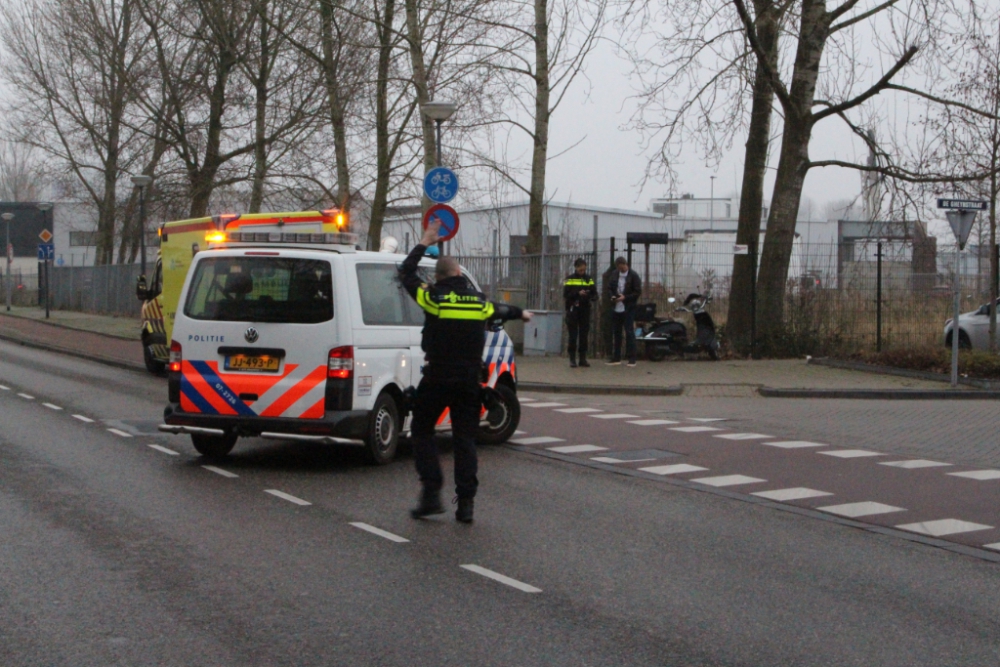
(44, 206)
(439, 110)
(7, 216)
(141, 180)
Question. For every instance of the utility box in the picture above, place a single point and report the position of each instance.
(543, 334)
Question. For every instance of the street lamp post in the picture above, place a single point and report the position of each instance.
(43, 207)
(141, 181)
(7, 217)
(439, 112)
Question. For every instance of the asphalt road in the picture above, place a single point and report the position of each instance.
(118, 553)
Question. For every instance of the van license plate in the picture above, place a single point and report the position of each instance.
(252, 362)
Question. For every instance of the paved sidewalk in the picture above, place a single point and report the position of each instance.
(58, 336)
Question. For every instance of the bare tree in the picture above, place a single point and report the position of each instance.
(21, 173)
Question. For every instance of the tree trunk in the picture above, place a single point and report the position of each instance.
(539, 157)
(415, 38)
(336, 104)
(383, 165)
(202, 179)
(739, 320)
(260, 113)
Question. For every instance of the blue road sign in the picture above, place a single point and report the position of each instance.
(46, 251)
(441, 185)
(448, 217)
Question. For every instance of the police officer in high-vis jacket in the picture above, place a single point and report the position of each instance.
(578, 293)
(455, 317)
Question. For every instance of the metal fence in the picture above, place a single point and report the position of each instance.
(104, 290)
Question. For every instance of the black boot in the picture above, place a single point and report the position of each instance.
(572, 361)
(464, 511)
(430, 503)
(583, 362)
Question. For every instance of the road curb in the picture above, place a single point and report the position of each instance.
(901, 372)
(50, 323)
(546, 387)
(883, 394)
(117, 363)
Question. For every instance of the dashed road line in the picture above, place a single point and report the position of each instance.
(378, 531)
(850, 453)
(522, 399)
(286, 496)
(4, 387)
(743, 436)
(653, 422)
(608, 459)
(917, 463)
(707, 419)
(794, 444)
(121, 433)
(866, 508)
(545, 405)
(86, 420)
(577, 411)
(28, 397)
(577, 449)
(496, 576)
(728, 480)
(695, 429)
(673, 469)
(163, 449)
(981, 475)
(51, 406)
(220, 471)
(537, 440)
(795, 493)
(943, 527)
(615, 416)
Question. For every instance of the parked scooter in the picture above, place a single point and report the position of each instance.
(667, 336)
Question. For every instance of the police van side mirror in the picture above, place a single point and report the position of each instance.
(141, 289)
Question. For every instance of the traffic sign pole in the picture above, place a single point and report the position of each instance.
(961, 217)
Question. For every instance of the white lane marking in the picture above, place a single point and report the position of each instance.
(728, 480)
(537, 440)
(796, 493)
(576, 411)
(496, 576)
(943, 527)
(121, 433)
(615, 416)
(86, 420)
(51, 407)
(850, 453)
(27, 396)
(674, 469)
(743, 436)
(995, 546)
(608, 459)
(220, 471)
(794, 444)
(4, 387)
(545, 405)
(520, 433)
(695, 429)
(378, 531)
(707, 419)
(866, 508)
(653, 422)
(285, 496)
(917, 463)
(523, 399)
(577, 449)
(160, 448)
(981, 475)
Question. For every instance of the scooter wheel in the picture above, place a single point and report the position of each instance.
(656, 352)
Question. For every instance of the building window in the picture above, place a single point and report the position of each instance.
(82, 239)
(729, 210)
(666, 208)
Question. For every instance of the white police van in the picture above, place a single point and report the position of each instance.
(302, 337)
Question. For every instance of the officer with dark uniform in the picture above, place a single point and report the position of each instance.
(455, 317)
(578, 293)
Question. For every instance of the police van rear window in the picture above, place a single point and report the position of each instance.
(261, 289)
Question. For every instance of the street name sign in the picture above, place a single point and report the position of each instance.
(447, 216)
(441, 185)
(964, 204)
(741, 249)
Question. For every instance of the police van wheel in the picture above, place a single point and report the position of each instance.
(382, 439)
(502, 419)
(153, 365)
(213, 446)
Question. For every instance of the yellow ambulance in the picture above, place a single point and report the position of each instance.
(181, 240)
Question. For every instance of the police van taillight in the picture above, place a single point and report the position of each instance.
(340, 363)
(175, 357)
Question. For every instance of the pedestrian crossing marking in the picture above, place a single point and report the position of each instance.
(673, 469)
(943, 527)
(728, 480)
(910, 465)
(537, 440)
(850, 453)
(866, 508)
(795, 493)
(981, 475)
(743, 436)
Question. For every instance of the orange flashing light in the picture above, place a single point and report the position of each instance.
(339, 217)
(215, 237)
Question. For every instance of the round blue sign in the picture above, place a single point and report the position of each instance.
(440, 185)
(448, 218)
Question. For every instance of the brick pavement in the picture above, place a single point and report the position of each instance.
(99, 347)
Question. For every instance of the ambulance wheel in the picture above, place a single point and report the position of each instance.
(213, 446)
(383, 431)
(502, 419)
(153, 365)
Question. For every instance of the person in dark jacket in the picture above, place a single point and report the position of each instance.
(455, 317)
(625, 287)
(578, 293)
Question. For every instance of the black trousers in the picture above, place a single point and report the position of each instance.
(619, 322)
(463, 397)
(578, 327)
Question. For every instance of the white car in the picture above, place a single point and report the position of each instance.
(307, 341)
(973, 329)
